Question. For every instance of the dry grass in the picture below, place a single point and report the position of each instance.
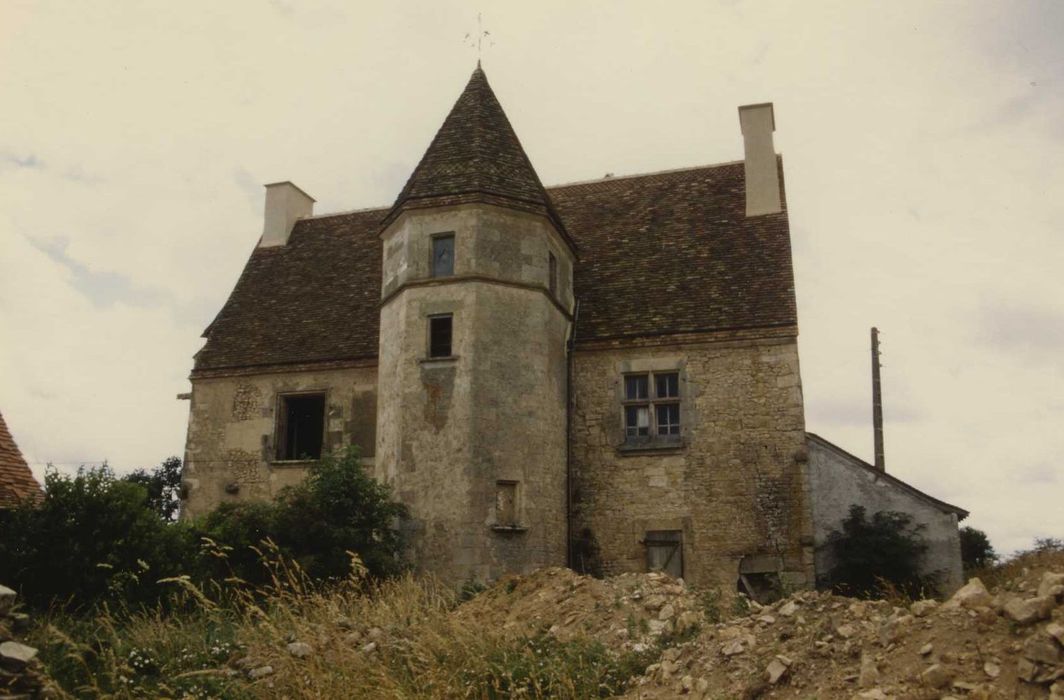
(393, 639)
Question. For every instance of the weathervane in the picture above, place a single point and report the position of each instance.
(478, 40)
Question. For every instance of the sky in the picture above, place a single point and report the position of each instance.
(922, 144)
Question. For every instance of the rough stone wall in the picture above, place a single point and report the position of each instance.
(449, 429)
(735, 488)
(230, 451)
(839, 480)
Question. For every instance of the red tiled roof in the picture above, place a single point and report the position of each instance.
(16, 480)
(663, 253)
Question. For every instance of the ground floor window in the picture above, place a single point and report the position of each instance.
(665, 552)
(300, 426)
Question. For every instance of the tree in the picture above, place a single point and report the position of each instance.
(163, 485)
(92, 537)
(976, 550)
(879, 553)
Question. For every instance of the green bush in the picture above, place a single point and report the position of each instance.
(877, 556)
(336, 510)
(976, 550)
(99, 538)
(94, 537)
(163, 485)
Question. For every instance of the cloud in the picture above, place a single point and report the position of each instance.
(101, 288)
(28, 161)
(1028, 330)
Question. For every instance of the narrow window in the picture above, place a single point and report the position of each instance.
(443, 256)
(636, 412)
(667, 404)
(440, 336)
(665, 552)
(506, 503)
(301, 426)
(552, 273)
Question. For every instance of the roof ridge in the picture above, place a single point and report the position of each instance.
(558, 186)
(632, 176)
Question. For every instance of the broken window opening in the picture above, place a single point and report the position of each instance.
(506, 503)
(301, 427)
(665, 551)
(440, 335)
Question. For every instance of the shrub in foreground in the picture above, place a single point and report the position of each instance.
(336, 511)
(878, 555)
(98, 538)
(93, 537)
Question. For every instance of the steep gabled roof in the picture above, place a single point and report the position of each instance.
(659, 254)
(475, 156)
(16, 480)
(674, 252)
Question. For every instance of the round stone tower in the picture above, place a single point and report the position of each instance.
(476, 305)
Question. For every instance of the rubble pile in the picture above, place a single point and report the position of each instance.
(1009, 644)
(629, 612)
(21, 675)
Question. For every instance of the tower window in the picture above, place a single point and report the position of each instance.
(552, 273)
(440, 335)
(300, 426)
(443, 256)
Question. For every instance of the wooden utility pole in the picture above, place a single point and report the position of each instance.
(877, 402)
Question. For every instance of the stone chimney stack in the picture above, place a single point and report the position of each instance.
(285, 204)
(762, 171)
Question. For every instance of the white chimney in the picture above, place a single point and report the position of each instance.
(762, 172)
(285, 204)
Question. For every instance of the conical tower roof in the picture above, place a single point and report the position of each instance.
(476, 157)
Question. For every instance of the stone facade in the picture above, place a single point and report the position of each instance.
(519, 432)
(457, 435)
(230, 453)
(734, 488)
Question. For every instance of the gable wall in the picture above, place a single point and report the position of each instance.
(839, 481)
(229, 453)
(736, 488)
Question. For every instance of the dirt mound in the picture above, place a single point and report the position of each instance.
(1009, 644)
(626, 612)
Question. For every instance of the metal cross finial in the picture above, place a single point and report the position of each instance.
(478, 40)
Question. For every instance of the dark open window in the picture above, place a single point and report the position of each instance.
(442, 256)
(552, 273)
(440, 336)
(301, 426)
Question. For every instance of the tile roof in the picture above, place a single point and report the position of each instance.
(16, 480)
(663, 253)
(674, 252)
(475, 155)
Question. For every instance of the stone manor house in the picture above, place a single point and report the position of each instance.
(601, 373)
